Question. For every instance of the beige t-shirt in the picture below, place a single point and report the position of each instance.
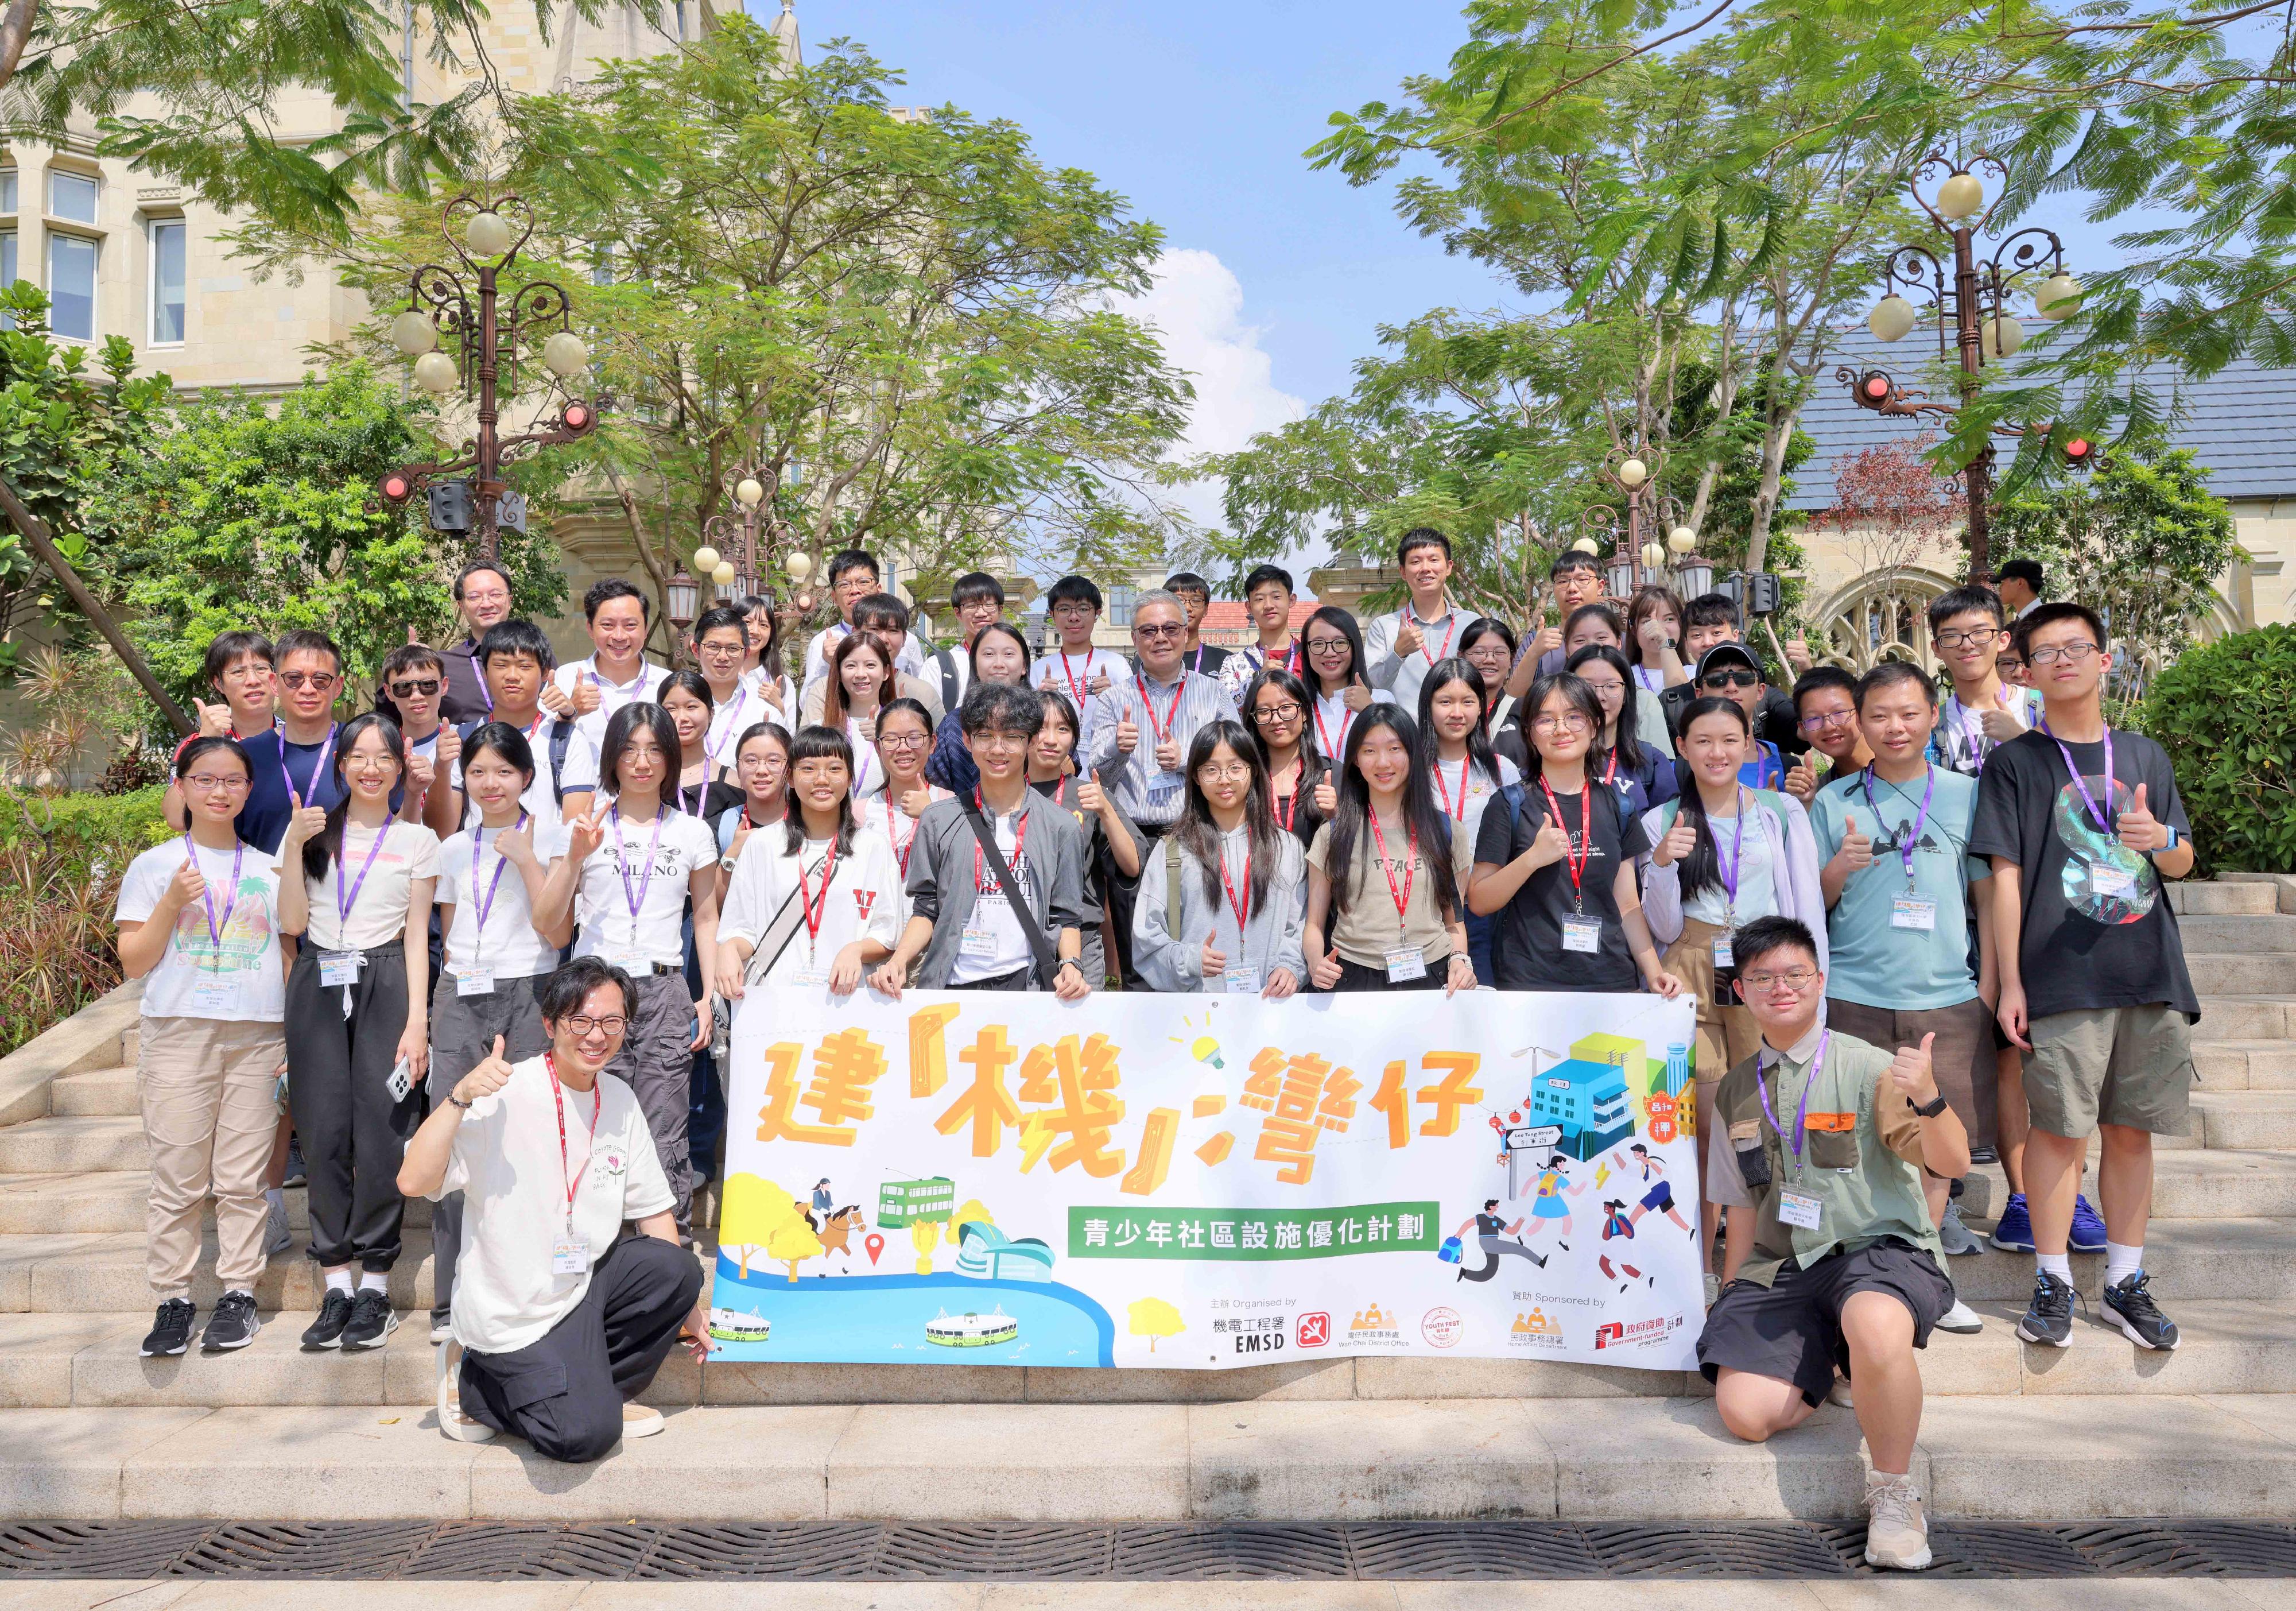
(378, 914)
(1367, 927)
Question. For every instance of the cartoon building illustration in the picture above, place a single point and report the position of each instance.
(1678, 1068)
(987, 1254)
(1585, 1094)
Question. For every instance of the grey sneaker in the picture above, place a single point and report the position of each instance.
(1897, 1532)
(2049, 1317)
(277, 1236)
(2130, 1303)
(1956, 1238)
(371, 1321)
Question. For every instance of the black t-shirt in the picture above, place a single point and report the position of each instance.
(1305, 818)
(2098, 931)
(1527, 948)
(1490, 1225)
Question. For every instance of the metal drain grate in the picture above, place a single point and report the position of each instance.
(1138, 1552)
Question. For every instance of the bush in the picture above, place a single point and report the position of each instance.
(60, 861)
(2225, 712)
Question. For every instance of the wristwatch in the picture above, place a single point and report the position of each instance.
(727, 862)
(2169, 828)
(1930, 1109)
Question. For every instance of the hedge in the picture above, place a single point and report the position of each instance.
(60, 861)
(2226, 711)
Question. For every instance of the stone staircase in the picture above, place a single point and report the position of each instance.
(89, 1430)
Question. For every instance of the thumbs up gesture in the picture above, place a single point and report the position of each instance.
(1910, 1073)
(2138, 828)
(1327, 796)
(1127, 733)
(215, 720)
(1323, 972)
(492, 1073)
(1856, 851)
(1680, 840)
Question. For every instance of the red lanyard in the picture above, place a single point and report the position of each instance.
(1240, 905)
(597, 1107)
(1459, 813)
(1609, 771)
(1450, 632)
(1287, 806)
(1020, 840)
(901, 847)
(1577, 864)
(1076, 687)
(1410, 871)
(1324, 738)
(816, 911)
(1164, 733)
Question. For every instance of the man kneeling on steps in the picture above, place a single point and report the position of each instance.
(1830, 1135)
(563, 1319)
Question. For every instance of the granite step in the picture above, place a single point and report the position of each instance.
(2228, 1015)
(2246, 1120)
(2203, 934)
(73, 1273)
(2195, 899)
(73, 1144)
(107, 1200)
(106, 1091)
(2228, 1064)
(2189, 1182)
(2248, 1260)
(2242, 973)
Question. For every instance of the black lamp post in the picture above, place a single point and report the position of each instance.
(729, 552)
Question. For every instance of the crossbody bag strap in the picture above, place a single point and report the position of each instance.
(1047, 959)
(781, 931)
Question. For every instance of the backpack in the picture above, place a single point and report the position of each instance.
(947, 660)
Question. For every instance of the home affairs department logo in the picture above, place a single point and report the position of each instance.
(1536, 1329)
(1314, 1330)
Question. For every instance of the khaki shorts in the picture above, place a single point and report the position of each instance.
(2125, 1065)
(1726, 1035)
(1962, 1059)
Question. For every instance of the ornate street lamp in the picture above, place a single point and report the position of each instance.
(1692, 576)
(482, 340)
(684, 602)
(728, 554)
(1977, 302)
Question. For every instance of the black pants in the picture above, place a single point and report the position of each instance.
(657, 1063)
(564, 1394)
(1356, 976)
(462, 1030)
(338, 1088)
(1123, 894)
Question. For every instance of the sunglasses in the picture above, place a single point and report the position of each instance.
(420, 688)
(309, 679)
(1734, 678)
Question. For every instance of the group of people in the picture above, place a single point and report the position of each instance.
(1925, 923)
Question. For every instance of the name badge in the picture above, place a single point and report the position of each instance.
(1582, 934)
(1800, 1209)
(1912, 912)
(1723, 955)
(631, 958)
(215, 992)
(475, 982)
(570, 1255)
(1164, 788)
(2106, 879)
(981, 939)
(401, 1082)
(814, 973)
(341, 968)
(1245, 981)
(1406, 962)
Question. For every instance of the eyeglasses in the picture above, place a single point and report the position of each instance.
(613, 1025)
(370, 763)
(1828, 719)
(320, 680)
(1571, 723)
(1973, 637)
(1327, 645)
(1794, 979)
(1286, 711)
(903, 741)
(214, 783)
(721, 651)
(1734, 677)
(1168, 629)
(421, 687)
(2049, 655)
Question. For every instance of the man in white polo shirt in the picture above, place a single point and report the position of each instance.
(1400, 648)
(616, 671)
(563, 1319)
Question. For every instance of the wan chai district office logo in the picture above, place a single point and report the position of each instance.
(1373, 1327)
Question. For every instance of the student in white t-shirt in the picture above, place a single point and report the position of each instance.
(561, 1319)
(489, 877)
(632, 865)
(841, 874)
(761, 764)
(199, 925)
(1076, 668)
(356, 887)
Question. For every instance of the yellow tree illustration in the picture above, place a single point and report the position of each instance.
(753, 1210)
(1152, 1318)
(793, 1240)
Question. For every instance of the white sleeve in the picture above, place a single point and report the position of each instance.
(581, 769)
(745, 914)
(140, 890)
(645, 1189)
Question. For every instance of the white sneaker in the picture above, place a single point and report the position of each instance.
(452, 1421)
(1896, 1533)
(1713, 1288)
(1956, 1238)
(442, 1332)
(641, 1421)
(1962, 1320)
(277, 1236)
(1840, 1394)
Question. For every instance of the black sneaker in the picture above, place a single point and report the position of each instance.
(2130, 1299)
(296, 1173)
(171, 1329)
(372, 1319)
(2049, 1317)
(232, 1325)
(334, 1314)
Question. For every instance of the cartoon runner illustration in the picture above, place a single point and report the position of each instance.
(1494, 1235)
(1660, 1195)
(1552, 1187)
(1615, 1222)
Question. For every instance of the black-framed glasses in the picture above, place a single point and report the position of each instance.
(1327, 645)
(1286, 711)
(1733, 677)
(1828, 719)
(2049, 655)
(1971, 637)
(611, 1025)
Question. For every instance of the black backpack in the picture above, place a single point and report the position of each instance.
(562, 738)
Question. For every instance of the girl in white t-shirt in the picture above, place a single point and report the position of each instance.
(490, 875)
(633, 864)
(841, 873)
(357, 886)
(860, 684)
(905, 741)
(199, 925)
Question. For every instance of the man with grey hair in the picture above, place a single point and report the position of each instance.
(1141, 728)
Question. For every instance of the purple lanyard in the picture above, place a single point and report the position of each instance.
(637, 901)
(207, 897)
(344, 902)
(326, 752)
(1802, 1119)
(733, 723)
(1737, 857)
(2080, 783)
(1913, 833)
(478, 837)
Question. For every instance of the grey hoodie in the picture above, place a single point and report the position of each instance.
(1270, 940)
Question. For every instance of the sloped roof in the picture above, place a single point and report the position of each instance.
(1228, 623)
(2241, 422)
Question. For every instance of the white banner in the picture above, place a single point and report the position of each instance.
(1197, 1181)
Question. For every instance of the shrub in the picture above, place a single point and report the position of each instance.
(2226, 711)
(60, 861)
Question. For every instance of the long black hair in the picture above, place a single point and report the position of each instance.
(1629, 748)
(1702, 869)
(1647, 601)
(507, 742)
(328, 846)
(619, 728)
(816, 743)
(1443, 673)
(1352, 823)
(834, 708)
(972, 649)
(1332, 616)
(1489, 626)
(1288, 684)
(1199, 836)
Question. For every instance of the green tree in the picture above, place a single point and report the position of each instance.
(253, 512)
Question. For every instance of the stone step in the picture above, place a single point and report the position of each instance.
(2242, 973)
(107, 1091)
(2144, 1455)
(2189, 1182)
(2192, 899)
(2250, 1261)
(2232, 1015)
(114, 1199)
(94, 1273)
(73, 1145)
(2246, 1120)
(2282, 884)
(2226, 1065)
(2204, 934)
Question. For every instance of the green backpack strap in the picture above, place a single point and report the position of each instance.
(1172, 884)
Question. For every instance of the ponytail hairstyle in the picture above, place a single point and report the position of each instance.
(329, 844)
(1199, 836)
(1702, 869)
(817, 743)
(1629, 748)
(1332, 616)
(621, 728)
(1443, 673)
(1353, 821)
(835, 711)
(204, 745)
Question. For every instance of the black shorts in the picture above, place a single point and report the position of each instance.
(1791, 1330)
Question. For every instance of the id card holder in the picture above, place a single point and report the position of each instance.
(1722, 955)
(1583, 934)
(814, 973)
(1164, 788)
(1406, 962)
(1800, 1209)
(215, 992)
(980, 940)
(1245, 981)
(2112, 882)
(1912, 912)
(475, 982)
(570, 1255)
(630, 958)
(339, 970)
(401, 1082)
